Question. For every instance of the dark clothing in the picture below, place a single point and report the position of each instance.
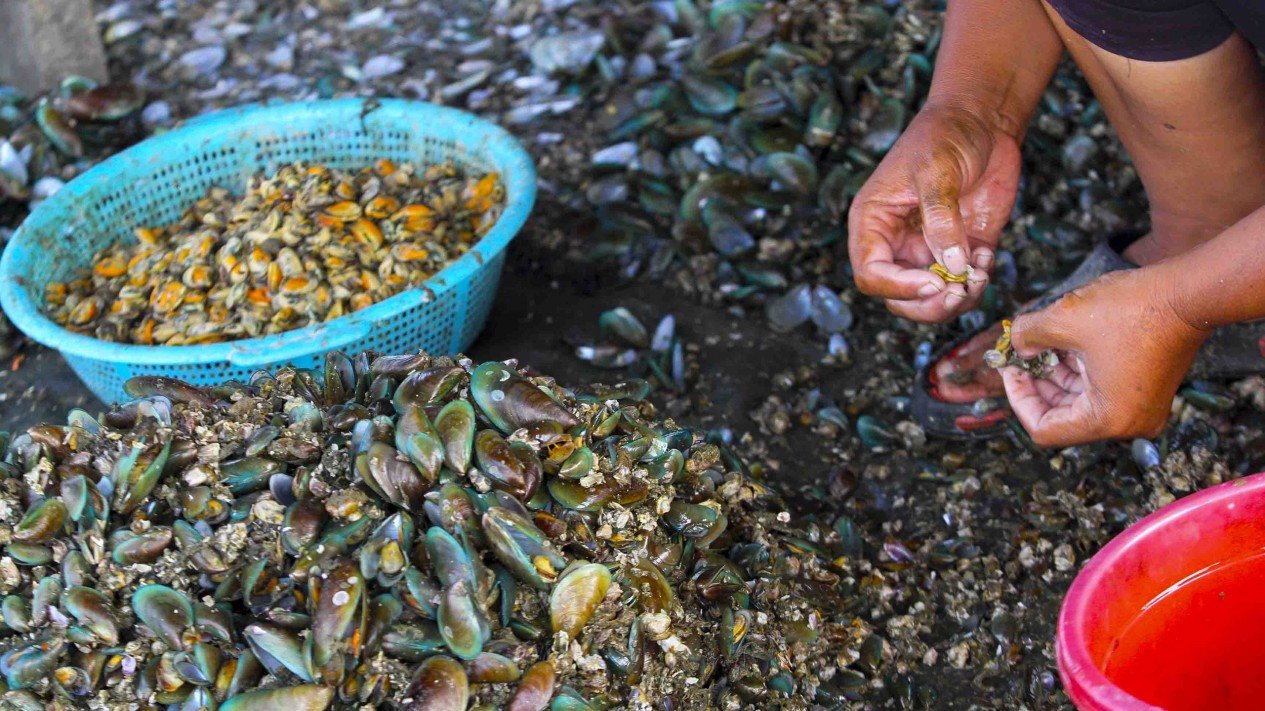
(1163, 30)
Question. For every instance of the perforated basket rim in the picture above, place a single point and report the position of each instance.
(518, 175)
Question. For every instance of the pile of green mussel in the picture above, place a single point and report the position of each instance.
(747, 127)
(411, 532)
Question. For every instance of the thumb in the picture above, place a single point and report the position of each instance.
(1038, 331)
(942, 224)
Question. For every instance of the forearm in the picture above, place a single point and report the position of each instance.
(996, 57)
(1222, 281)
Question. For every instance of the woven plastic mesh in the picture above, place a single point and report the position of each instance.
(153, 182)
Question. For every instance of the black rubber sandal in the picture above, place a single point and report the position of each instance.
(1232, 351)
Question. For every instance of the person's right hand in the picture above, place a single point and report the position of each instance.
(943, 193)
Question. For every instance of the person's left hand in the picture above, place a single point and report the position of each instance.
(1123, 351)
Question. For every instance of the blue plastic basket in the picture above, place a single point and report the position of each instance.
(153, 182)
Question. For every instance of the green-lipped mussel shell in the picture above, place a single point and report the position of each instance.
(455, 425)
(492, 668)
(510, 402)
(576, 596)
(522, 547)
(166, 612)
(305, 697)
(461, 621)
(440, 684)
(534, 689)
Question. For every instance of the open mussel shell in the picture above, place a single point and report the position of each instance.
(57, 127)
(135, 475)
(73, 681)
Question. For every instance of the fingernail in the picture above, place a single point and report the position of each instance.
(928, 289)
(976, 275)
(984, 258)
(954, 260)
(953, 297)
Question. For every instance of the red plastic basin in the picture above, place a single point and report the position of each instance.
(1181, 596)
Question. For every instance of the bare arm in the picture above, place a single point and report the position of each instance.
(1222, 281)
(996, 58)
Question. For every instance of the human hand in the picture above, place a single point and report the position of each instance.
(943, 194)
(1123, 351)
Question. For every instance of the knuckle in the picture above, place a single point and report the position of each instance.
(1023, 328)
(905, 311)
(938, 220)
(865, 282)
(857, 207)
(858, 213)
(1040, 328)
(899, 308)
(939, 169)
(936, 159)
